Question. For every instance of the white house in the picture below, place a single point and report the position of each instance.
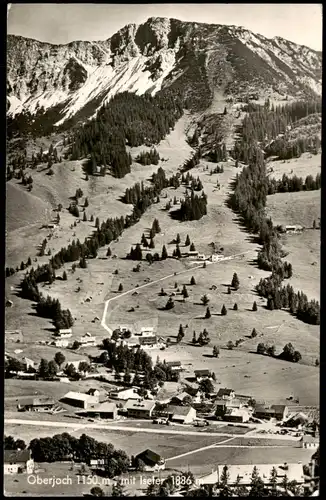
(125, 394)
(65, 333)
(88, 339)
(216, 257)
(80, 399)
(61, 342)
(181, 414)
(147, 331)
(18, 461)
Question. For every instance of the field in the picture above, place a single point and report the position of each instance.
(303, 249)
(307, 164)
(300, 208)
(203, 462)
(85, 292)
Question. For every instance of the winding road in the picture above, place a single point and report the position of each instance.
(107, 302)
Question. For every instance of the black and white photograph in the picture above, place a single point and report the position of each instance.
(162, 250)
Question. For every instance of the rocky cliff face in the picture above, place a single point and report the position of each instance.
(193, 58)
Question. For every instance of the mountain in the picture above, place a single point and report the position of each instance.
(193, 59)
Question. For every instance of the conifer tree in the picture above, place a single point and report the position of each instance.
(254, 306)
(187, 242)
(192, 281)
(164, 253)
(208, 313)
(224, 310)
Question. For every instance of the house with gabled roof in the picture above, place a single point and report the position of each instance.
(151, 460)
(202, 374)
(225, 393)
(181, 414)
(16, 461)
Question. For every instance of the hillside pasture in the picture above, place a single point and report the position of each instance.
(307, 164)
(300, 208)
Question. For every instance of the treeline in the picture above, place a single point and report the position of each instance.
(263, 124)
(288, 353)
(294, 184)
(249, 200)
(83, 449)
(285, 297)
(47, 308)
(148, 158)
(126, 119)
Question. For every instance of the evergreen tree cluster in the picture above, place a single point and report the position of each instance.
(193, 207)
(284, 148)
(192, 162)
(83, 449)
(217, 154)
(294, 184)
(148, 158)
(126, 119)
(263, 124)
(202, 339)
(285, 297)
(217, 170)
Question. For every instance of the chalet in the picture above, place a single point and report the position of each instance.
(93, 392)
(192, 253)
(80, 399)
(61, 342)
(125, 394)
(241, 474)
(151, 460)
(41, 403)
(65, 333)
(202, 374)
(174, 365)
(294, 229)
(103, 410)
(140, 408)
(51, 226)
(147, 331)
(226, 393)
(201, 256)
(236, 415)
(279, 412)
(181, 414)
(149, 341)
(179, 399)
(88, 339)
(309, 442)
(216, 257)
(223, 405)
(297, 420)
(17, 461)
(9, 303)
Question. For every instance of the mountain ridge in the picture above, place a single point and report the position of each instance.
(188, 57)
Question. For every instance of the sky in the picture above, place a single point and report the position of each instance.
(63, 22)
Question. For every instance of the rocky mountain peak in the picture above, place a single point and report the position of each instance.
(195, 58)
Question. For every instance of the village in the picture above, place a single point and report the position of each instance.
(124, 401)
